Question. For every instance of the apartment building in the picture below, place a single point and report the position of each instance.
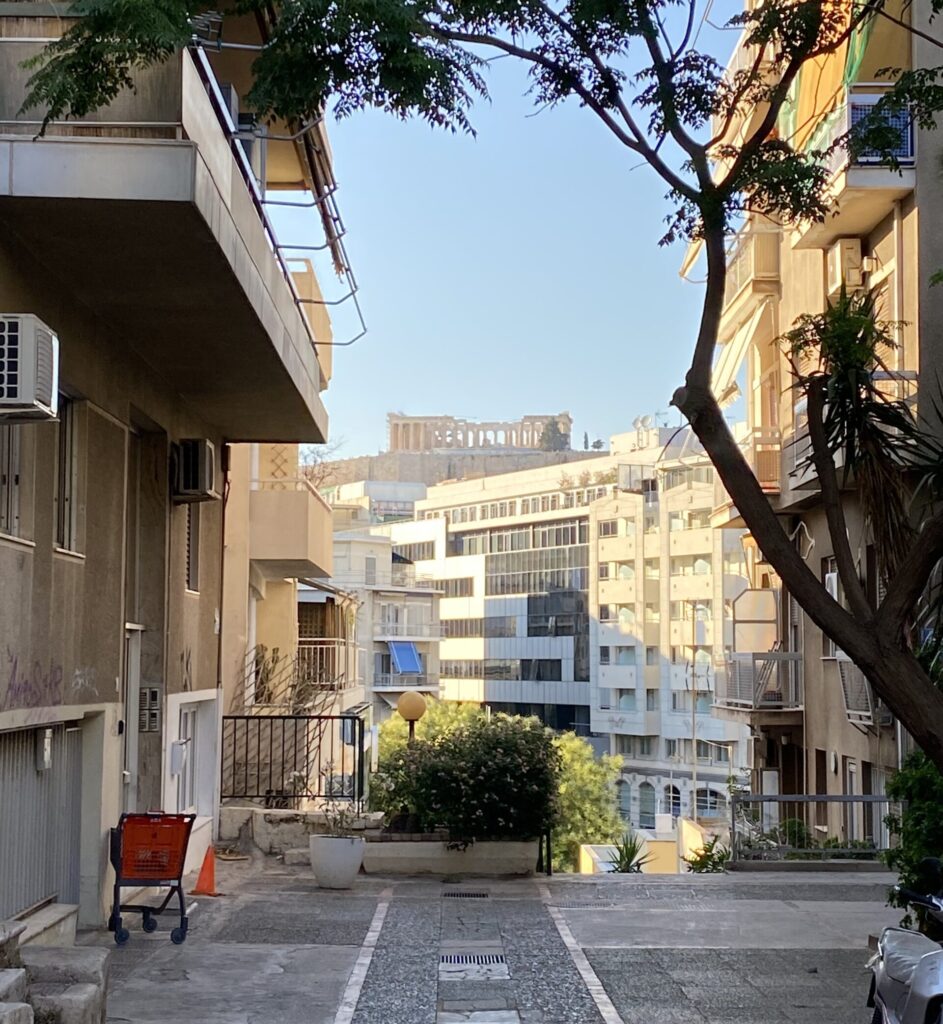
(584, 595)
(391, 620)
(816, 724)
(147, 324)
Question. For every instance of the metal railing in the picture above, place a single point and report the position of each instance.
(396, 681)
(334, 661)
(763, 680)
(286, 760)
(402, 576)
(809, 827)
(386, 627)
(754, 255)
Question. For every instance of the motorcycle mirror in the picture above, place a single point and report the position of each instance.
(930, 875)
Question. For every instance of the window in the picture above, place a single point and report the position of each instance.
(652, 613)
(626, 700)
(651, 569)
(651, 700)
(672, 750)
(193, 546)
(66, 473)
(651, 655)
(711, 804)
(608, 527)
(645, 746)
(646, 805)
(625, 655)
(10, 480)
(417, 552)
(624, 745)
(679, 701)
(604, 570)
(603, 655)
(625, 570)
(626, 616)
(607, 613)
(703, 750)
(461, 587)
(370, 570)
(625, 799)
(833, 585)
(186, 779)
(673, 801)
(525, 506)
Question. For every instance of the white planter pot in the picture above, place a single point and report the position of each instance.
(335, 860)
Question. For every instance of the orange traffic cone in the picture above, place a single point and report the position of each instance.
(206, 882)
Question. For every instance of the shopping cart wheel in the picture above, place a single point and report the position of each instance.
(121, 936)
(149, 924)
(178, 936)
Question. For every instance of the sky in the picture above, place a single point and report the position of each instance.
(514, 273)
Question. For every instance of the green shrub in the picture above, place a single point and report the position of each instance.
(630, 857)
(918, 829)
(711, 859)
(487, 778)
(792, 832)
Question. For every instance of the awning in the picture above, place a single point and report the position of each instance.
(724, 377)
(405, 657)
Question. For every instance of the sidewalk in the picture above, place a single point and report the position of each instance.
(733, 949)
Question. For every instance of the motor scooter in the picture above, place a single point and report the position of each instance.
(907, 969)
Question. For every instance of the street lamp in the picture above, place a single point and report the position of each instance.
(411, 706)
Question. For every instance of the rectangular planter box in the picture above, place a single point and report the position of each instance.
(487, 858)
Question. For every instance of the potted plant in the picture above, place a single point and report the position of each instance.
(629, 856)
(337, 854)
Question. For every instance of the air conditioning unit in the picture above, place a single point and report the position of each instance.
(29, 368)
(844, 266)
(194, 471)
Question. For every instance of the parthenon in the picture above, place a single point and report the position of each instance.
(432, 433)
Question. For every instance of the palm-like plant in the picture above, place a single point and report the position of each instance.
(629, 856)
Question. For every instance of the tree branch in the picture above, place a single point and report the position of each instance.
(707, 421)
(832, 502)
(904, 590)
(637, 145)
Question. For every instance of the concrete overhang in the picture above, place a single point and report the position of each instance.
(290, 533)
(864, 196)
(162, 239)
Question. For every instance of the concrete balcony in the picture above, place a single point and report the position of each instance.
(616, 549)
(618, 677)
(862, 192)
(762, 688)
(682, 632)
(628, 723)
(290, 532)
(188, 275)
(763, 450)
(617, 591)
(691, 542)
(691, 587)
(752, 275)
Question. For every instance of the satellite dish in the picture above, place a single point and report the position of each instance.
(637, 422)
(647, 421)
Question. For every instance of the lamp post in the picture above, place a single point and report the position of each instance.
(411, 706)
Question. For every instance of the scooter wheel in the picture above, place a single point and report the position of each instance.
(149, 924)
(178, 936)
(121, 936)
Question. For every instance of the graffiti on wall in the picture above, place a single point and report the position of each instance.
(30, 685)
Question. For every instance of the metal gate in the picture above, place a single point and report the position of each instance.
(40, 816)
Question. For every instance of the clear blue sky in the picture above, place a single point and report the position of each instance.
(514, 273)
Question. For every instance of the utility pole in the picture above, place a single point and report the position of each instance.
(693, 711)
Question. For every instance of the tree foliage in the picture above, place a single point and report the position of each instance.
(587, 810)
(552, 438)
(635, 66)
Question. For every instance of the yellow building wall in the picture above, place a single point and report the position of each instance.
(664, 857)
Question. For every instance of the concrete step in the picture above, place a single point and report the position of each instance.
(70, 966)
(16, 1013)
(13, 985)
(52, 925)
(67, 1004)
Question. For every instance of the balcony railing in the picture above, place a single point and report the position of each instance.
(396, 681)
(399, 577)
(762, 681)
(754, 256)
(384, 628)
(337, 660)
(857, 106)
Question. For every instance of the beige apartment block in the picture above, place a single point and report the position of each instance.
(817, 727)
(139, 237)
(592, 596)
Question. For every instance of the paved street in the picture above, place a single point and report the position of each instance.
(735, 949)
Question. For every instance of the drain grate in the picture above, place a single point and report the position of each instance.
(472, 958)
(464, 894)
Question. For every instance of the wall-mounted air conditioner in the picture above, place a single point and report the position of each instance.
(844, 266)
(29, 368)
(194, 470)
